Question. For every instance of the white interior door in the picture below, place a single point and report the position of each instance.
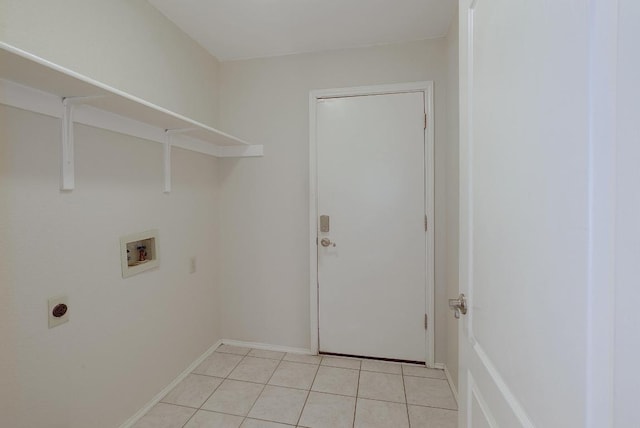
(525, 222)
(371, 184)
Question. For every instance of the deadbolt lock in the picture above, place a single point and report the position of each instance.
(324, 224)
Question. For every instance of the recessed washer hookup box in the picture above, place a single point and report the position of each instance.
(139, 252)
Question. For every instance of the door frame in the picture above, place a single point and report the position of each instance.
(426, 87)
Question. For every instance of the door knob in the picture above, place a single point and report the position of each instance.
(458, 306)
(326, 242)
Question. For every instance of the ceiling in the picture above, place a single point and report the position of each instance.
(239, 29)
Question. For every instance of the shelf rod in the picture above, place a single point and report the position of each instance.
(167, 161)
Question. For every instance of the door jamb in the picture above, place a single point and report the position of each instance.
(425, 87)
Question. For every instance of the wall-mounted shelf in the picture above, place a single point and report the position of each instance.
(33, 83)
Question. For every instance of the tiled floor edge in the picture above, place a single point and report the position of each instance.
(267, 347)
(452, 385)
(155, 400)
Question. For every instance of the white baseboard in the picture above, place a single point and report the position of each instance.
(267, 347)
(454, 387)
(155, 400)
(443, 366)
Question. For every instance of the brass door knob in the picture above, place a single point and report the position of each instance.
(326, 242)
(459, 305)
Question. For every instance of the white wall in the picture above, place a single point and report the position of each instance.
(67, 243)
(264, 207)
(452, 196)
(627, 335)
(126, 339)
(127, 44)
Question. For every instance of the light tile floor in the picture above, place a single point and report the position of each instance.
(251, 388)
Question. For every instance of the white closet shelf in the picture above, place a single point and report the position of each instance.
(32, 83)
(29, 70)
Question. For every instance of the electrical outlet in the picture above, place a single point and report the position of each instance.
(192, 265)
(58, 311)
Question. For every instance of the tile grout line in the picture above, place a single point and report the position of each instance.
(227, 378)
(355, 407)
(274, 371)
(406, 400)
(309, 390)
(263, 388)
(302, 362)
(398, 402)
(319, 392)
(435, 407)
(244, 418)
(239, 380)
(212, 392)
(197, 408)
(207, 399)
(432, 406)
(261, 391)
(178, 405)
(273, 422)
(231, 353)
(266, 358)
(190, 417)
(308, 394)
(326, 393)
(218, 412)
(189, 407)
(426, 377)
(216, 388)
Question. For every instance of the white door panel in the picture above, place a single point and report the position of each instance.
(478, 416)
(371, 183)
(524, 213)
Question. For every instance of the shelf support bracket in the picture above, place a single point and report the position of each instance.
(67, 164)
(168, 135)
(167, 161)
(67, 161)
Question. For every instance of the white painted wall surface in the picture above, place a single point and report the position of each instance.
(452, 202)
(126, 44)
(127, 339)
(627, 337)
(264, 205)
